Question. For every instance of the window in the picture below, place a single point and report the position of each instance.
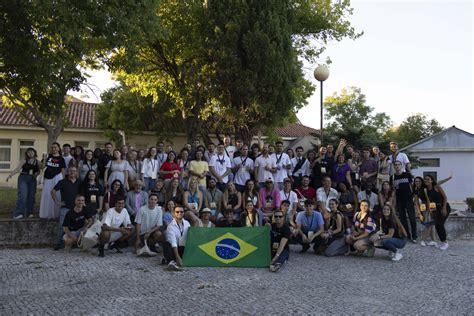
(434, 174)
(5, 153)
(429, 162)
(24, 145)
(84, 145)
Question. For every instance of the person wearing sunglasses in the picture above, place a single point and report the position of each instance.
(280, 236)
(176, 233)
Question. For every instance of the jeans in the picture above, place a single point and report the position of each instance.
(26, 195)
(404, 207)
(149, 184)
(62, 214)
(392, 244)
(284, 256)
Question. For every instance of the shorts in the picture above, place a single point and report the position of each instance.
(76, 233)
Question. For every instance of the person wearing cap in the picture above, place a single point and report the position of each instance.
(269, 199)
(204, 221)
(395, 155)
(265, 167)
(280, 235)
(228, 220)
(149, 220)
(283, 165)
(176, 232)
(289, 195)
(250, 217)
(310, 225)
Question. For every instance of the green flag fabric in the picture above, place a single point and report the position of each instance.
(227, 247)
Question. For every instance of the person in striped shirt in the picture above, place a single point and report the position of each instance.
(363, 225)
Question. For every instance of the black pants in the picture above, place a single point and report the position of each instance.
(169, 253)
(317, 241)
(439, 223)
(406, 207)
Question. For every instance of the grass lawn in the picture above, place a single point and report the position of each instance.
(8, 202)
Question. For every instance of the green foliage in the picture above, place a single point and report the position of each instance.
(414, 128)
(232, 66)
(44, 46)
(350, 118)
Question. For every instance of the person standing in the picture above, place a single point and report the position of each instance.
(199, 168)
(283, 165)
(300, 167)
(402, 183)
(243, 166)
(265, 167)
(368, 170)
(68, 158)
(103, 161)
(118, 169)
(395, 155)
(93, 193)
(69, 188)
(135, 168)
(149, 172)
(29, 169)
(220, 167)
(54, 165)
(86, 164)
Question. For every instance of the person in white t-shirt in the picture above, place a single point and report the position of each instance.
(243, 167)
(228, 148)
(116, 226)
(395, 155)
(220, 167)
(149, 220)
(283, 164)
(289, 195)
(265, 167)
(176, 232)
(325, 194)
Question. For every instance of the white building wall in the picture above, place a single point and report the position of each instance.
(461, 164)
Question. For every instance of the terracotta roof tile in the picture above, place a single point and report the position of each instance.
(295, 130)
(80, 115)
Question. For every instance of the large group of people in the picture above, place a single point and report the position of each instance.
(337, 201)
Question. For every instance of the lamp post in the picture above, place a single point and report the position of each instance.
(321, 73)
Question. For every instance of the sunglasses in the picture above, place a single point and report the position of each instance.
(179, 212)
(278, 216)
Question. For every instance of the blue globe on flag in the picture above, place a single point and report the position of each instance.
(227, 249)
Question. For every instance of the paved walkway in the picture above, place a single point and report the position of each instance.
(427, 280)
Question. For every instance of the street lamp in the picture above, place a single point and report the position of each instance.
(321, 73)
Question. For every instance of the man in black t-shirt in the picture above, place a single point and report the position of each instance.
(401, 182)
(75, 221)
(103, 161)
(69, 188)
(280, 235)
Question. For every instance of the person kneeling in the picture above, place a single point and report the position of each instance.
(280, 235)
(149, 220)
(176, 233)
(116, 226)
(363, 226)
(75, 222)
(395, 236)
(310, 225)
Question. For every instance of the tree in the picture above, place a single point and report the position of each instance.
(232, 66)
(45, 45)
(414, 128)
(350, 118)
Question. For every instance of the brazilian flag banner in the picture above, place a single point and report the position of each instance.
(227, 247)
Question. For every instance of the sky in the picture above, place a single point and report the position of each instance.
(414, 57)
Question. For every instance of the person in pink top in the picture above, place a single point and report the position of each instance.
(269, 199)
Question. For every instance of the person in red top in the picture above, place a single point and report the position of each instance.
(170, 168)
(305, 192)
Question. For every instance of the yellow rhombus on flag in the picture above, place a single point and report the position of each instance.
(227, 248)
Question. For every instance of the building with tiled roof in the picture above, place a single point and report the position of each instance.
(17, 134)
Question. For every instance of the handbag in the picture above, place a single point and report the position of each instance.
(145, 251)
(90, 237)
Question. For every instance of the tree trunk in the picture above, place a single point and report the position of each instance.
(191, 125)
(245, 135)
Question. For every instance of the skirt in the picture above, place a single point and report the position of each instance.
(47, 207)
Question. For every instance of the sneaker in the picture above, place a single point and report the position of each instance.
(432, 243)
(272, 268)
(116, 247)
(391, 254)
(163, 261)
(413, 241)
(101, 252)
(398, 256)
(277, 267)
(18, 217)
(443, 246)
(423, 244)
(172, 266)
(30, 216)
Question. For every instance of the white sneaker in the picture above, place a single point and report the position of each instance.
(18, 217)
(432, 243)
(173, 266)
(443, 246)
(398, 256)
(422, 243)
(272, 268)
